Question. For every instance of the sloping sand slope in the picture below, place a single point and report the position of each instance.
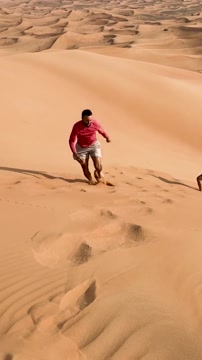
(98, 272)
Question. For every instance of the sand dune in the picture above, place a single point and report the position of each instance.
(72, 296)
(101, 272)
(174, 26)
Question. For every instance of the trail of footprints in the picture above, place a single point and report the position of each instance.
(57, 313)
(60, 248)
(51, 316)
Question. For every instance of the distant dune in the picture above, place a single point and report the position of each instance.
(165, 30)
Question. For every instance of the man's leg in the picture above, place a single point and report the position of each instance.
(83, 160)
(98, 168)
(96, 156)
(199, 179)
(85, 167)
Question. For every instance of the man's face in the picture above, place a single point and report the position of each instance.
(87, 120)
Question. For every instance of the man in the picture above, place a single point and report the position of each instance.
(199, 179)
(84, 144)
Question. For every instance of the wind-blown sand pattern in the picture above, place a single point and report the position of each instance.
(101, 272)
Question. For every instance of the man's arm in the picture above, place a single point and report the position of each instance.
(72, 139)
(102, 132)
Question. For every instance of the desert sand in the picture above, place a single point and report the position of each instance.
(101, 272)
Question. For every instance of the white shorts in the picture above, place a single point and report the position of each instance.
(91, 151)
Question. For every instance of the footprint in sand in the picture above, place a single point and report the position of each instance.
(146, 210)
(108, 214)
(115, 233)
(83, 254)
(167, 201)
(134, 232)
(50, 318)
(56, 249)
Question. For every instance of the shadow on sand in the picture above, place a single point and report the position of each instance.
(173, 182)
(37, 174)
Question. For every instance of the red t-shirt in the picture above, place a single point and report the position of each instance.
(85, 135)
